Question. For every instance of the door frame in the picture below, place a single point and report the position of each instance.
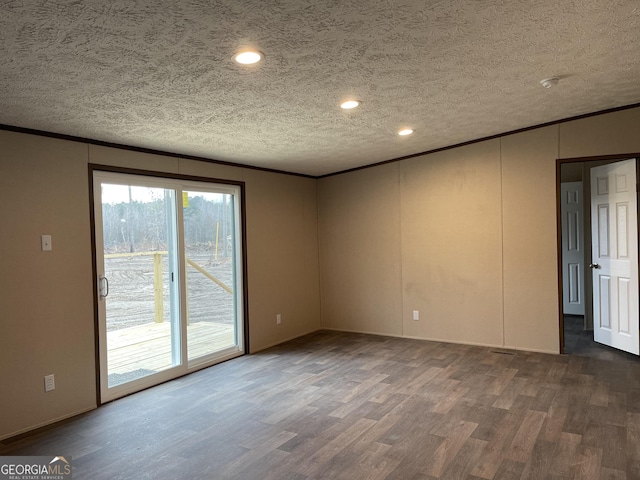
(92, 167)
(559, 163)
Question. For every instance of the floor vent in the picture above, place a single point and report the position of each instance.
(502, 353)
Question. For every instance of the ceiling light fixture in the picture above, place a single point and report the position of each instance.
(405, 132)
(550, 82)
(349, 104)
(248, 57)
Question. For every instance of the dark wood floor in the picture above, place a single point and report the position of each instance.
(579, 341)
(347, 406)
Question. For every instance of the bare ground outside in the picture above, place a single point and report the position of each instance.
(131, 290)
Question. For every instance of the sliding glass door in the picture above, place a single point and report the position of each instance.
(169, 278)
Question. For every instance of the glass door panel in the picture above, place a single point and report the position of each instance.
(209, 242)
(137, 287)
(170, 296)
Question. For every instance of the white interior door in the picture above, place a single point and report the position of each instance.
(572, 248)
(615, 255)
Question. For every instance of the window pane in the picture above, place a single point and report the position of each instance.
(209, 248)
(139, 248)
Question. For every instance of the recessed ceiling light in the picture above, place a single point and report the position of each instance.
(248, 57)
(406, 131)
(349, 104)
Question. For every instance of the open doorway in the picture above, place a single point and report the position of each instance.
(576, 243)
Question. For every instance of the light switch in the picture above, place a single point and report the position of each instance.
(46, 243)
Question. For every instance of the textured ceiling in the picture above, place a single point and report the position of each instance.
(159, 74)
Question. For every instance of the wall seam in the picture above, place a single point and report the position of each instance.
(558, 142)
(317, 185)
(502, 239)
(399, 185)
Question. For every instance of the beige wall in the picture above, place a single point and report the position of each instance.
(46, 298)
(282, 244)
(360, 241)
(450, 217)
(530, 279)
(466, 236)
(609, 134)
(475, 239)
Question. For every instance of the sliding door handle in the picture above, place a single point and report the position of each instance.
(103, 287)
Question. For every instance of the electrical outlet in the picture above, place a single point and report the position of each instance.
(416, 315)
(49, 383)
(278, 319)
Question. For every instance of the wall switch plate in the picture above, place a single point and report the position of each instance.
(416, 315)
(278, 319)
(49, 383)
(45, 242)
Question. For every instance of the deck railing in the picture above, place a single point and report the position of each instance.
(157, 277)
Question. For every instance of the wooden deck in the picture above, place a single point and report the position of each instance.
(148, 346)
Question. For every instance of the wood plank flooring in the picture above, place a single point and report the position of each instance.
(348, 406)
(579, 341)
